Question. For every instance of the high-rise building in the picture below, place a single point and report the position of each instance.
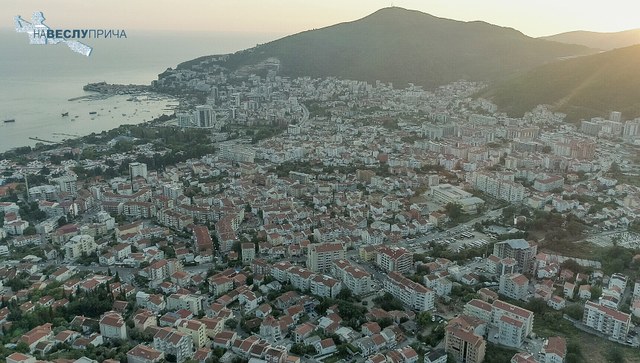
(463, 343)
(631, 129)
(321, 256)
(394, 259)
(520, 250)
(615, 116)
(138, 169)
(67, 183)
(205, 117)
(185, 119)
(514, 286)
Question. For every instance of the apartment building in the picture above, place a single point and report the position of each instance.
(412, 294)
(321, 256)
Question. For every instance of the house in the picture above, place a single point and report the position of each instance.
(303, 331)
(568, 290)
(196, 329)
(144, 354)
(112, 326)
(556, 302)
(409, 355)
(36, 335)
(20, 358)
(554, 350)
(66, 337)
(436, 356)
(584, 292)
(263, 310)
(144, 319)
(325, 346)
(224, 339)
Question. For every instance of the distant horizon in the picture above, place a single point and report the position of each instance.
(280, 35)
(282, 18)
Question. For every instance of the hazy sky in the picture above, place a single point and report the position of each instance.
(532, 17)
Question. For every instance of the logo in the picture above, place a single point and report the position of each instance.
(41, 34)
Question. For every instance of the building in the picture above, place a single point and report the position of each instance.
(514, 286)
(248, 252)
(447, 193)
(606, 320)
(520, 250)
(554, 350)
(170, 341)
(357, 280)
(321, 256)
(396, 259)
(196, 329)
(463, 343)
(511, 332)
(144, 354)
(79, 245)
(67, 184)
(498, 186)
(205, 116)
(512, 322)
(137, 169)
(548, 184)
(412, 294)
(112, 326)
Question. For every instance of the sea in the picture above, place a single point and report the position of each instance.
(38, 83)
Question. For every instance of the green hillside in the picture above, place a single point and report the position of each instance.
(583, 87)
(402, 46)
(604, 41)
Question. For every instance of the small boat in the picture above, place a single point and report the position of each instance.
(92, 113)
(65, 114)
(9, 120)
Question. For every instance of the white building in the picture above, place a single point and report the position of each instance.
(608, 321)
(138, 169)
(514, 286)
(79, 245)
(412, 294)
(113, 326)
(353, 278)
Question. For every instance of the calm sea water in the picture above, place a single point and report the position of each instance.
(36, 82)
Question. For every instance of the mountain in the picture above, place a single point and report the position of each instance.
(582, 87)
(402, 46)
(604, 41)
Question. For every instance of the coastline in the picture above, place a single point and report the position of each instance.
(95, 113)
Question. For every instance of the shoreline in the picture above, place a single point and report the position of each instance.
(139, 116)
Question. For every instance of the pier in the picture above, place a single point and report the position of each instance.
(43, 140)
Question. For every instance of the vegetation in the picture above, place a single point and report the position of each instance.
(604, 41)
(389, 45)
(388, 302)
(583, 87)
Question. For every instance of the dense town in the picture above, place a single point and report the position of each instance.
(324, 220)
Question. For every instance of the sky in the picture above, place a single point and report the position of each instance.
(281, 17)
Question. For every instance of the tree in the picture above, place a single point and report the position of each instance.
(574, 311)
(615, 355)
(454, 211)
(423, 319)
(231, 323)
(29, 231)
(22, 347)
(344, 294)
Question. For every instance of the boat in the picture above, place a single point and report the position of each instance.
(9, 120)
(92, 113)
(65, 114)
